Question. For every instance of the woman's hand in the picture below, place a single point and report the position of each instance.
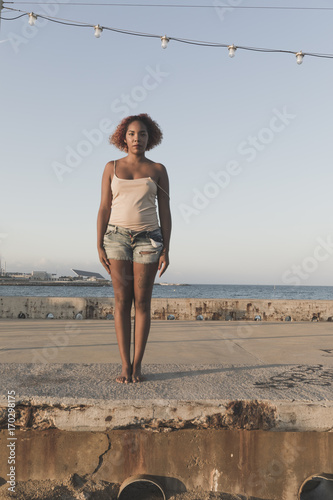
(104, 260)
(163, 263)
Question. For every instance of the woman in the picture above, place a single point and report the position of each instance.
(131, 244)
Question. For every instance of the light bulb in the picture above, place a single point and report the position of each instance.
(165, 41)
(98, 30)
(299, 57)
(32, 19)
(232, 50)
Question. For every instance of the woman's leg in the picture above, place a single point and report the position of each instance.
(122, 281)
(144, 275)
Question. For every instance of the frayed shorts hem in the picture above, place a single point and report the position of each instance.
(151, 259)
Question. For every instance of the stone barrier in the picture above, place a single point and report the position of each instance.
(178, 309)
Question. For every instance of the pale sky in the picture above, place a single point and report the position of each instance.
(247, 140)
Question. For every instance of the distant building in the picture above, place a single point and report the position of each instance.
(17, 275)
(40, 275)
(88, 275)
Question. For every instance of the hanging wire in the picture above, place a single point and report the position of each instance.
(11, 18)
(182, 6)
(69, 22)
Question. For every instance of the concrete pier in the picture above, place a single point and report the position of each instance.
(230, 408)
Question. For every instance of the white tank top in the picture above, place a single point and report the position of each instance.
(134, 203)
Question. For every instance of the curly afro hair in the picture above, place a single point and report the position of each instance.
(155, 134)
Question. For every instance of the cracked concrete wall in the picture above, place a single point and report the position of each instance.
(182, 309)
(51, 454)
(268, 465)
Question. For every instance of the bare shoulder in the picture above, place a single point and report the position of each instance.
(109, 165)
(160, 166)
(108, 170)
(160, 169)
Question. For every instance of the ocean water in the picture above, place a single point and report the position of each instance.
(181, 291)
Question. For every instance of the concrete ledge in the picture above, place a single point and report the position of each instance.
(86, 397)
(170, 415)
(182, 309)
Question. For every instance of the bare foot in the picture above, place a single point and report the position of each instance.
(125, 376)
(137, 375)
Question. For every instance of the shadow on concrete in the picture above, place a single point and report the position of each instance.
(207, 371)
(31, 348)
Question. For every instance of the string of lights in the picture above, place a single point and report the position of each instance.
(98, 30)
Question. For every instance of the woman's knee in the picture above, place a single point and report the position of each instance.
(123, 303)
(142, 305)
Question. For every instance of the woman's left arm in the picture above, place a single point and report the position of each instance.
(163, 200)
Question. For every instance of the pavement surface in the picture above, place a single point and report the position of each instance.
(94, 341)
(184, 360)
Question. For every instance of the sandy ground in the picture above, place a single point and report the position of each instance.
(81, 488)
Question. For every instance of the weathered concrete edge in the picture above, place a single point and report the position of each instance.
(167, 415)
(182, 309)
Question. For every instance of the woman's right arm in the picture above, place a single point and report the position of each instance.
(104, 214)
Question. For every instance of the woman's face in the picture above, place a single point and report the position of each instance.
(136, 137)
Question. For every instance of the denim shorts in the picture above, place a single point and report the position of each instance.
(124, 244)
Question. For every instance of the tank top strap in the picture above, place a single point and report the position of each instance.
(114, 168)
(161, 188)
